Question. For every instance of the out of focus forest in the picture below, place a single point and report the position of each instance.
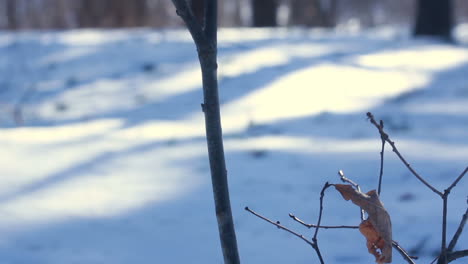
(66, 14)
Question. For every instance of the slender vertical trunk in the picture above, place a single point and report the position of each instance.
(11, 14)
(206, 41)
(214, 136)
(264, 13)
(434, 18)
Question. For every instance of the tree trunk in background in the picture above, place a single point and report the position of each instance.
(312, 13)
(332, 13)
(89, 14)
(264, 13)
(11, 14)
(305, 13)
(434, 18)
(237, 14)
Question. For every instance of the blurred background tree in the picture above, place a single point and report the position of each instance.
(434, 18)
(65, 14)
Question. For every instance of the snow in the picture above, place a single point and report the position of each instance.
(103, 156)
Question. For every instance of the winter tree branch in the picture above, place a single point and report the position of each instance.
(403, 253)
(382, 151)
(312, 243)
(295, 218)
(457, 234)
(385, 137)
(445, 252)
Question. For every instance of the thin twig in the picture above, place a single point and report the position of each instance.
(457, 179)
(444, 252)
(381, 160)
(457, 234)
(314, 238)
(313, 244)
(278, 224)
(295, 218)
(403, 253)
(394, 148)
(344, 179)
(322, 194)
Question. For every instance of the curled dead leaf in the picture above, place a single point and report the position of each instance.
(377, 229)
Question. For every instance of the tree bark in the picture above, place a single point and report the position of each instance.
(205, 39)
(434, 18)
(264, 13)
(197, 8)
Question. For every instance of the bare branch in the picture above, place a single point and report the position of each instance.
(403, 252)
(195, 29)
(322, 194)
(457, 180)
(456, 255)
(457, 234)
(394, 148)
(313, 244)
(278, 224)
(381, 159)
(295, 218)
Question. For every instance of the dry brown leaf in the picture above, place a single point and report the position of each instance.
(377, 228)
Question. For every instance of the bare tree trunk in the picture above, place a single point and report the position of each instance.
(264, 13)
(434, 18)
(206, 41)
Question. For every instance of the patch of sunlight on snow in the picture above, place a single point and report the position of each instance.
(86, 37)
(233, 35)
(257, 59)
(184, 81)
(163, 130)
(419, 58)
(55, 134)
(65, 55)
(326, 87)
(121, 184)
(413, 148)
(232, 66)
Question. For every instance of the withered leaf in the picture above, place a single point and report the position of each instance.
(377, 228)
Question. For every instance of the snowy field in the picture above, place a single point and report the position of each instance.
(103, 156)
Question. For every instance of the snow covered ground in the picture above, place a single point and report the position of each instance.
(103, 157)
